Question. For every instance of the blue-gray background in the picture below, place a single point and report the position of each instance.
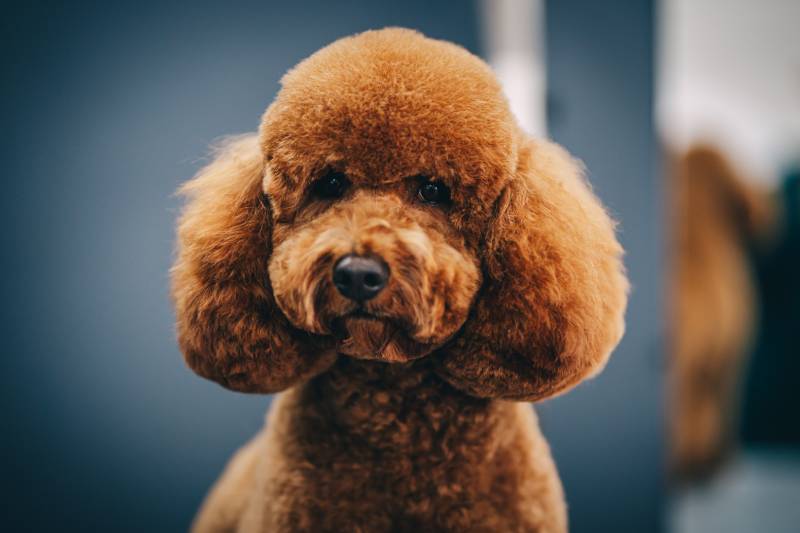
(107, 108)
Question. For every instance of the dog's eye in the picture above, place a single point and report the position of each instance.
(434, 192)
(331, 185)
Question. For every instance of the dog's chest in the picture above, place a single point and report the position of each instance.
(351, 455)
(397, 458)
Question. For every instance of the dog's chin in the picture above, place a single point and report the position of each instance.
(367, 337)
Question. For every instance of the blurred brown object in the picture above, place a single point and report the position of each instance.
(716, 216)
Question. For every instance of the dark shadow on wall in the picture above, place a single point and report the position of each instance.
(771, 397)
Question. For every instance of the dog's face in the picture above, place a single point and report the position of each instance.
(384, 275)
(391, 209)
(378, 190)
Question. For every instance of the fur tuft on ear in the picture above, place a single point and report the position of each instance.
(553, 301)
(229, 327)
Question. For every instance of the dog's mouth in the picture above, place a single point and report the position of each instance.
(364, 334)
(360, 312)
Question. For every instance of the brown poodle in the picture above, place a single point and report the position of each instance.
(394, 253)
(717, 217)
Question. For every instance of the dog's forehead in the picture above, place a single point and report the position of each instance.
(388, 104)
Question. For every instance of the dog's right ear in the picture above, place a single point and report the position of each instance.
(229, 328)
(554, 293)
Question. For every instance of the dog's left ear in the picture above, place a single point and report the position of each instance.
(552, 305)
(229, 327)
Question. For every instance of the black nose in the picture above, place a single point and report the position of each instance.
(360, 278)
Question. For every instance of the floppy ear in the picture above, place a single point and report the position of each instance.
(552, 304)
(229, 327)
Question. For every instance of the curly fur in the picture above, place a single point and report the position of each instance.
(515, 290)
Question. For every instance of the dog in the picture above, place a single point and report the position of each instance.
(405, 265)
(719, 218)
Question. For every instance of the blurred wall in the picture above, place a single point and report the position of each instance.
(107, 109)
(111, 106)
(729, 72)
(607, 434)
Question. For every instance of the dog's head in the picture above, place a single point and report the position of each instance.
(390, 208)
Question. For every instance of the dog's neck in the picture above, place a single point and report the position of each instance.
(394, 407)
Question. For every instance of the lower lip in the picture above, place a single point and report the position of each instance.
(362, 315)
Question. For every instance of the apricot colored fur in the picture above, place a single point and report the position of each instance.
(513, 291)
